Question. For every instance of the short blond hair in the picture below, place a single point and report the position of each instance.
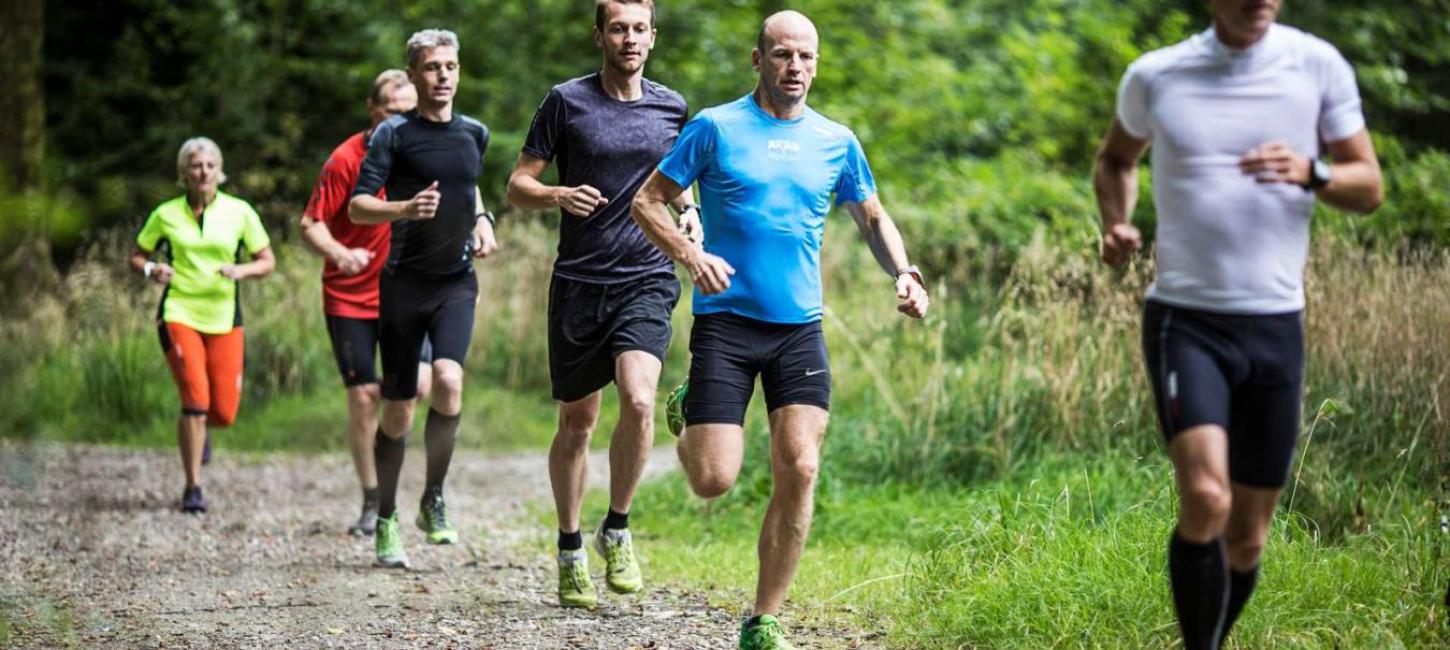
(387, 80)
(198, 144)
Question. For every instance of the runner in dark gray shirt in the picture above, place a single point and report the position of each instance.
(613, 291)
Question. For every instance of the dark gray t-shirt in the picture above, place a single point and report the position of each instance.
(612, 146)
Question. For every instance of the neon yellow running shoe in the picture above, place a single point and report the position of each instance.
(575, 587)
(433, 519)
(389, 543)
(621, 571)
(767, 634)
(675, 408)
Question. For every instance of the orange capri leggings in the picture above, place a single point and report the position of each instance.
(208, 371)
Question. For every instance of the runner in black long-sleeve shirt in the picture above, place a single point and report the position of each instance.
(427, 286)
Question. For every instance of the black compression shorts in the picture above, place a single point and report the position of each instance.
(416, 307)
(354, 346)
(728, 351)
(1244, 373)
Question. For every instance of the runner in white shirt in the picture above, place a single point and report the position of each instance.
(1238, 117)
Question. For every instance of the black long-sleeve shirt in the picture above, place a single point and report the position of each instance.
(405, 155)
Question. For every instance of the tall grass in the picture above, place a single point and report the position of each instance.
(999, 376)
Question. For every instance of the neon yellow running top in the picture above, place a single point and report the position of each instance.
(199, 296)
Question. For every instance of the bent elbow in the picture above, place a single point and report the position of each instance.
(637, 208)
(1373, 202)
(353, 214)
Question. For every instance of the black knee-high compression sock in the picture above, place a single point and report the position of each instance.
(1240, 587)
(1199, 575)
(616, 520)
(388, 456)
(440, 433)
(571, 541)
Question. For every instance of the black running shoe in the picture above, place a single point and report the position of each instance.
(192, 501)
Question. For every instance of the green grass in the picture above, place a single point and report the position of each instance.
(1069, 554)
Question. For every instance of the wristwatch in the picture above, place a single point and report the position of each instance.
(1318, 175)
(486, 215)
(688, 207)
(914, 272)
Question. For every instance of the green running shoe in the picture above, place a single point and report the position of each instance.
(575, 587)
(675, 408)
(764, 635)
(389, 543)
(621, 571)
(433, 519)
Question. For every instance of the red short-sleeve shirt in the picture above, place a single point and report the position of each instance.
(348, 296)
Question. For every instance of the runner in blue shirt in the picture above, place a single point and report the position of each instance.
(767, 166)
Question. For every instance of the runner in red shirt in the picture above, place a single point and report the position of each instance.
(354, 255)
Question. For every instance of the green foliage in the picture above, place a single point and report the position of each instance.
(952, 99)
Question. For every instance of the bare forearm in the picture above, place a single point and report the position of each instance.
(1354, 186)
(261, 265)
(371, 210)
(1116, 185)
(317, 238)
(529, 193)
(885, 242)
(655, 220)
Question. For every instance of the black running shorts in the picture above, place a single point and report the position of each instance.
(354, 346)
(728, 351)
(1244, 373)
(592, 324)
(413, 308)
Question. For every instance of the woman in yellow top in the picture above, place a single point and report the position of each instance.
(200, 317)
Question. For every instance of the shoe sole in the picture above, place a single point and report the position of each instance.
(443, 541)
(390, 564)
(588, 604)
(361, 532)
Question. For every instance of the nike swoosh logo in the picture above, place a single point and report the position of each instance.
(812, 373)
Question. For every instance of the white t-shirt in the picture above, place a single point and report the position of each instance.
(1227, 243)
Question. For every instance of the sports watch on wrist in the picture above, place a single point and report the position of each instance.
(914, 272)
(486, 214)
(1318, 175)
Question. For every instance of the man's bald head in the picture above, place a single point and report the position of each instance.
(785, 57)
(785, 24)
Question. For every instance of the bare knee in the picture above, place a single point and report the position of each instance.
(637, 408)
(799, 471)
(447, 380)
(1245, 546)
(576, 427)
(397, 418)
(362, 401)
(1206, 502)
(710, 482)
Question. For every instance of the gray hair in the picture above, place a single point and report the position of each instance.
(194, 145)
(427, 40)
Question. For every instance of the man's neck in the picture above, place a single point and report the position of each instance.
(435, 112)
(625, 87)
(790, 112)
(1237, 41)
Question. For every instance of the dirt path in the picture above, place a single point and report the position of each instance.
(93, 554)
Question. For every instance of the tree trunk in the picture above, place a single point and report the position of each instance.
(22, 97)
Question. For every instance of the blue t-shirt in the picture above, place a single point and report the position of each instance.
(765, 189)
